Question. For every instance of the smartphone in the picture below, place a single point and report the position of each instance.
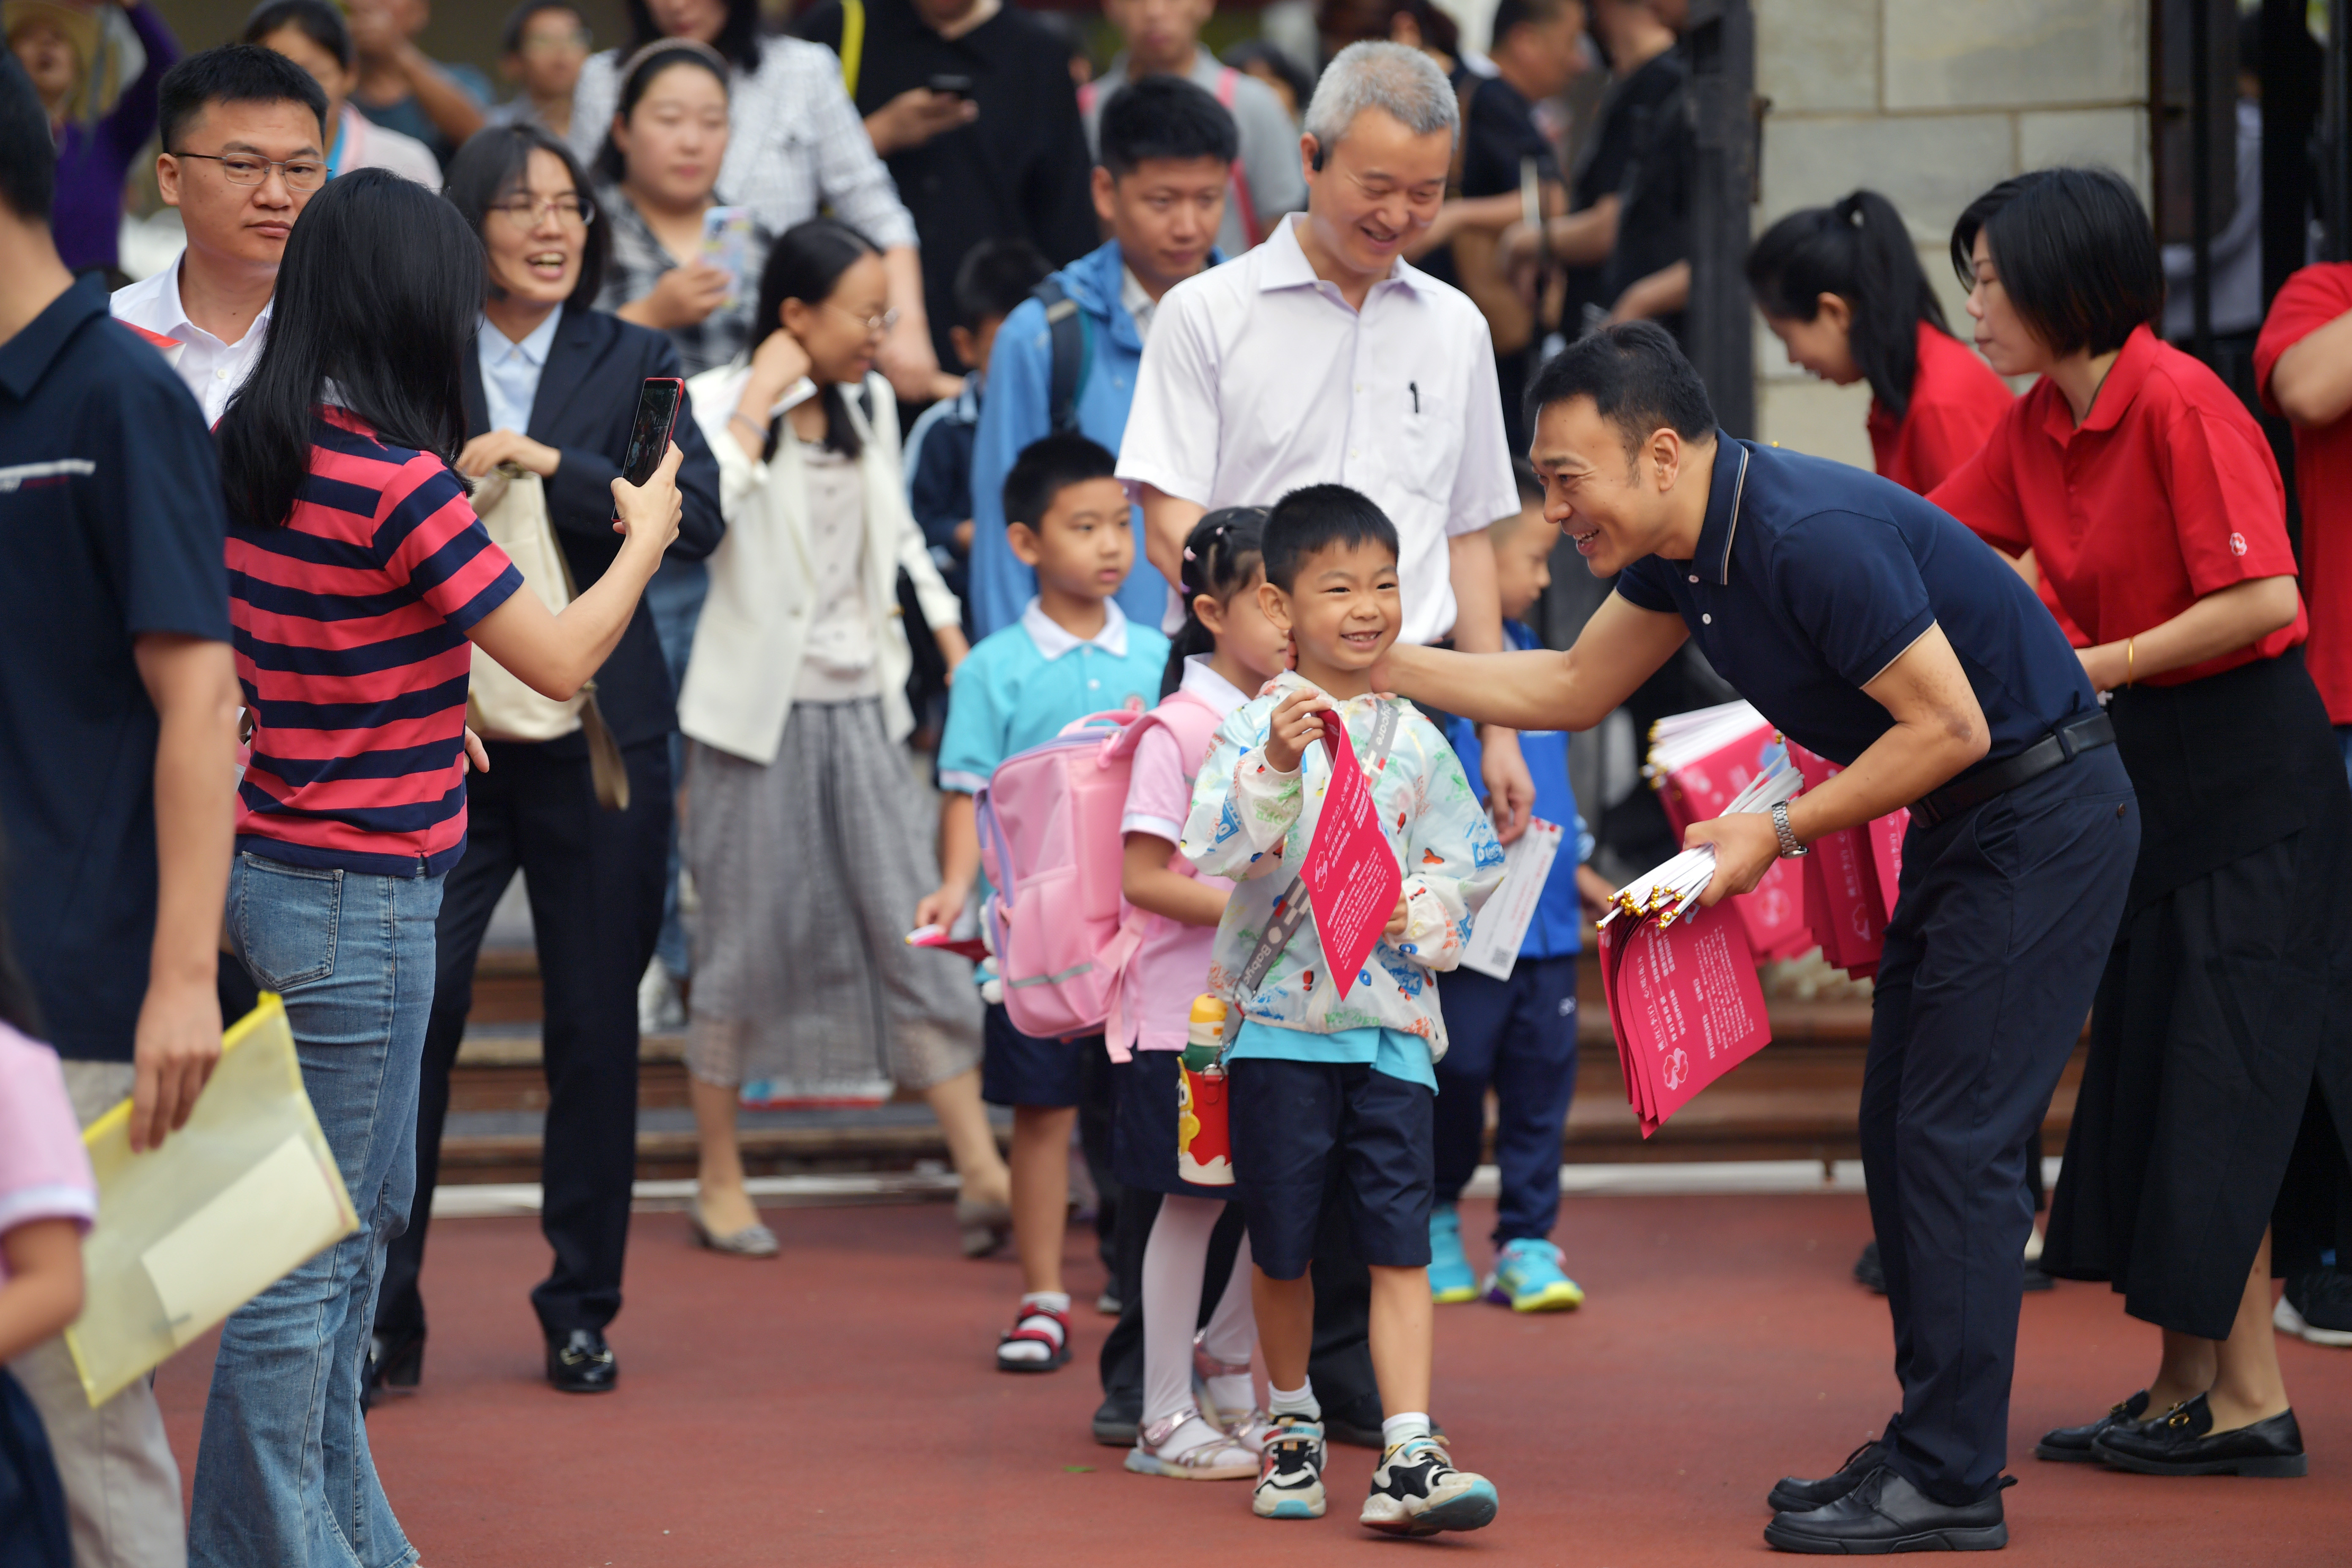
(951, 85)
(649, 433)
(727, 245)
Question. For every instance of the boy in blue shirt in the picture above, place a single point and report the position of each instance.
(1518, 1034)
(1167, 150)
(1071, 653)
(1331, 1090)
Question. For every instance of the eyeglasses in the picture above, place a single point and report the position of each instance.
(874, 325)
(557, 44)
(244, 169)
(527, 216)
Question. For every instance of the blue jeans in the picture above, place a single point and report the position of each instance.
(283, 1474)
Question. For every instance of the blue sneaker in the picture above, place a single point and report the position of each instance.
(1450, 1279)
(1527, 1279)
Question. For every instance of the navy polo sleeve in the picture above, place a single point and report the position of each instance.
(1851, 582)
(1644, 585)
(166, 499)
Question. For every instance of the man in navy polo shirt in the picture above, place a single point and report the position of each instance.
(1876, 630)
(118, 759)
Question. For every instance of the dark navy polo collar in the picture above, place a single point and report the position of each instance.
(1725, 492)
(26, 358)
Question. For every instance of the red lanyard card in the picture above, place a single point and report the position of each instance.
(1351, 875)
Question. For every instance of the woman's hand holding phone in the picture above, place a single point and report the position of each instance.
(649, 512)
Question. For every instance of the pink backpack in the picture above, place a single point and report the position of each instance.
(1050, 843)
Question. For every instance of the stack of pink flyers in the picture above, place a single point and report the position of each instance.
(1684, 1005)
(1851, 878)
(1699, 762)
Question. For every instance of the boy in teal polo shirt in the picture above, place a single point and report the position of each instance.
(1071, 653)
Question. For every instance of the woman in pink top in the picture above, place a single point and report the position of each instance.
(1226, 651)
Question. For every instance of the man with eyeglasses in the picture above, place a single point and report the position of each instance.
(242, 136)
(541, 50)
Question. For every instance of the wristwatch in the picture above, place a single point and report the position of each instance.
(1790, 847)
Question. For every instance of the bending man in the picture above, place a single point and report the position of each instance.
(1876, 630)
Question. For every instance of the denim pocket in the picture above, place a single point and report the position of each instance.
(286, 920)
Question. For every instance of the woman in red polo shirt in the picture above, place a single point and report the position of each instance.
(2201, 1153)
(1842, 288)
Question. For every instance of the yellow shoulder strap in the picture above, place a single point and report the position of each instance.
(853, 44)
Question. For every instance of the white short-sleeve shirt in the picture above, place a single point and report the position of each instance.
(1259, 378)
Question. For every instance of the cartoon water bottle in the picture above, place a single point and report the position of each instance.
(1205, 1147)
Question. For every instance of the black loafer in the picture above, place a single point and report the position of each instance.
(2072, 1444)
(1791, 1494)
(581, 1363)
(1868, 1272)
(1885, 1513)
(2183, 1443)
(1116, 1420)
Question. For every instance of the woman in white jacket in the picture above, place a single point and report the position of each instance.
(805, 830)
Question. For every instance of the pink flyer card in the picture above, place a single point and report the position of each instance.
(1687, 1005)
(1351, 875)
(1886, 854)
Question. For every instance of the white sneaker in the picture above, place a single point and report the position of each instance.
(1415, 1492)
(1290, 1474)
(659, 1010)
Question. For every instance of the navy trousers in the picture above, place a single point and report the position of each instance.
(1997, 944)
(1519, 1035)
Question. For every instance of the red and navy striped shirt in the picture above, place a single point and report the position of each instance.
(349, 626)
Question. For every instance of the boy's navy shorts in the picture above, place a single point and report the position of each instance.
(1300, 1127)
(1023, 1069)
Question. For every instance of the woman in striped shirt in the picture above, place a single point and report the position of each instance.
(358, 574)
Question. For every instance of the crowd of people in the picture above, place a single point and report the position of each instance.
(1286, 386)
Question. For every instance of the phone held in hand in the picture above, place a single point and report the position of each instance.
(948, 86)
(650, 432)
(727, 245)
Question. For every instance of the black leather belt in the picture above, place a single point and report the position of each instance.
(2054, 750)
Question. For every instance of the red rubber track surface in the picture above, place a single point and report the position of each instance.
(838, 1405)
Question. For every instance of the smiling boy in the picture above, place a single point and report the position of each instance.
(1331, 1087)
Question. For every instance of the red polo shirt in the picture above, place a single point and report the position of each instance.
(2323, 482)
(1956, 400)
(2168, 493)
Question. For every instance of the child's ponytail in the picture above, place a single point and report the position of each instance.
(1861, 251)
(1220, 556)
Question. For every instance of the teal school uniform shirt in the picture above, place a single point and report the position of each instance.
(1024, 682)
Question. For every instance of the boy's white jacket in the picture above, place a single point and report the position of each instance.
(1254, 825)
(754, 628)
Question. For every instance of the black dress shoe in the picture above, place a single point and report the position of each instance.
(581, 1363)
(1116, 1420)
(1885, 1513)
(2072, 1444)
(1792, 1495)
(1358, 1425)
(1868, 1272)
(2183, 1443)
(394, 1361)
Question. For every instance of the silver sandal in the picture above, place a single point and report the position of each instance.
(754, 1240)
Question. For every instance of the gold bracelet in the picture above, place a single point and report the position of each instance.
(2131, 646)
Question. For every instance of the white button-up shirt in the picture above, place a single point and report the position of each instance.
(213, 370)
(1258, 378)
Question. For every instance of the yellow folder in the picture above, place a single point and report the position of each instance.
(188, 1233)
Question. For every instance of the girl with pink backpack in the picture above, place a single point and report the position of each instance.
(1208, 1429)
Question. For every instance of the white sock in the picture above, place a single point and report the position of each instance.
(1047, 1300)
(1299, 1401)
(1172, 1261)
(1405, 1423)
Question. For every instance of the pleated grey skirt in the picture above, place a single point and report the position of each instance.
(808, 871)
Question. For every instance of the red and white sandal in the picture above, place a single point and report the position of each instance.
(1041, 1326)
